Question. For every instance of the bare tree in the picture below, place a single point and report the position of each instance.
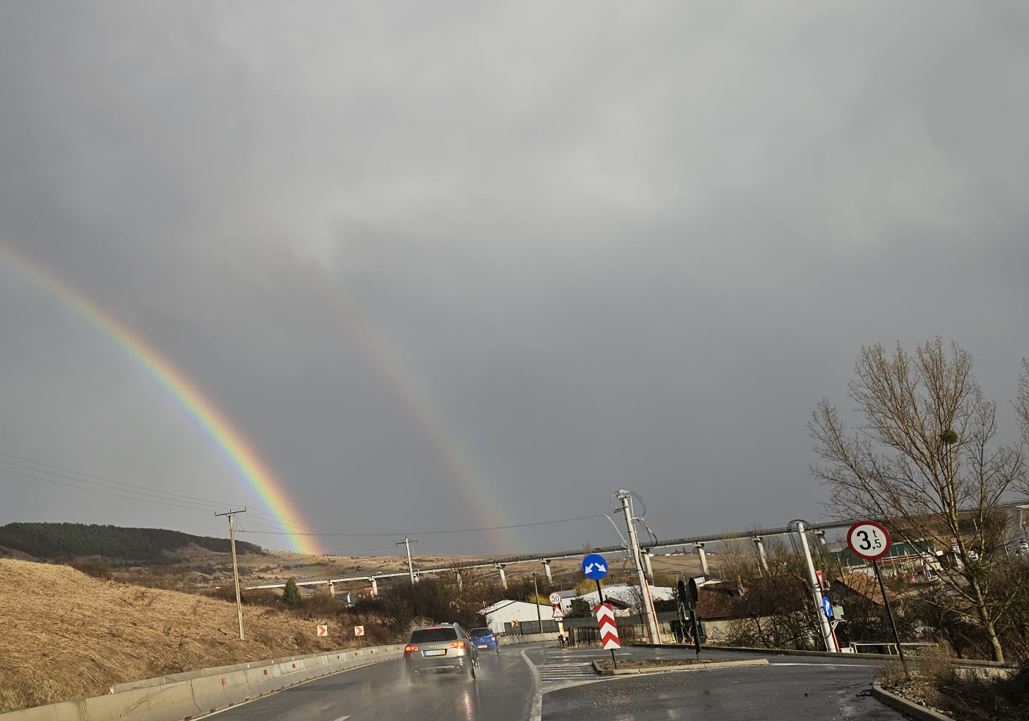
(735, 560)
(925, 461)
(1022, 405)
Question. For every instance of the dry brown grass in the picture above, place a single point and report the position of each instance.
(66, 635)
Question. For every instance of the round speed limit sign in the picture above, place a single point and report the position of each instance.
(868, 540)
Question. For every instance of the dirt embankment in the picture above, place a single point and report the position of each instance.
(66, 635)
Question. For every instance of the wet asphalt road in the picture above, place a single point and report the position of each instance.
(502, 692)
(789, 688)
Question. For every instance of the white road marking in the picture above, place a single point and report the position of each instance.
(342, 718)
(536, 712)
(825, 665)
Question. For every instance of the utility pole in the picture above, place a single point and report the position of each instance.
(406, 543)
(647, 605)
(816, 592)
(536, 600)
(235, 566)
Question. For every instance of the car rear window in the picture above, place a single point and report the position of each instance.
(481, 632)
(428, 635)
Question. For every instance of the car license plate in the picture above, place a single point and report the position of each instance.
(435, 652)
(482, 645)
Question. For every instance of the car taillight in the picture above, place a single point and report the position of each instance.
(410, 648)
(457, 644)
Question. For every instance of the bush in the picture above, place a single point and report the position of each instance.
(891, 674)
(291, 593)
(95, 567)
(936, 665)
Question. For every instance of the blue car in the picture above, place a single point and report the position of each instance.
(484, 638)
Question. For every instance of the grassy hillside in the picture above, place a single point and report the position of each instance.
(67, 635)
(59, 541)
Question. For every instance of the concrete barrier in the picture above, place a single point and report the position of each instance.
(208, 693)
(181, 696)
(170, 702)
(67, 711)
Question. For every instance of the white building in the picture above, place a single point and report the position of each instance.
(506, 611)
(623, 593)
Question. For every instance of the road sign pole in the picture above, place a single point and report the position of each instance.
(600, 599)
(889, 615)
(870, 540)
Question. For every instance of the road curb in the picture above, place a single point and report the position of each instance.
(908, 708)
(960, 662)
(707, 666)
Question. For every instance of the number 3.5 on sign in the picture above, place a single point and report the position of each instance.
(868, 540)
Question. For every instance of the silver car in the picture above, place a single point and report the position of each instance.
(440, 649)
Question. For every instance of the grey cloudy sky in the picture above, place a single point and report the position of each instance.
(541, 250)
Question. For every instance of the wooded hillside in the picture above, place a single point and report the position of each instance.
(62, 541)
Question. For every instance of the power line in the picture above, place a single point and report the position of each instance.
(359, 534)
(94, 486)
(283, 525)
(116, 488)
(67, 484)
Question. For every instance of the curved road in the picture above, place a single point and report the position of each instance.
(789, 688)
(502, 692)
(508, 689)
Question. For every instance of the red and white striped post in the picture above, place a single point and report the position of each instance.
(608, 629)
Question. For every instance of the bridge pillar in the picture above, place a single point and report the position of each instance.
(375, 587)
(762, 557)
(503, 576)
(550, 575)
(703, 559)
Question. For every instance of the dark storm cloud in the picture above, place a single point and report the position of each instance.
(616, 245)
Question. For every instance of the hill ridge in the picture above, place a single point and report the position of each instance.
(63, 541)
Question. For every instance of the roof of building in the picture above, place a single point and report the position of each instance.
(621, 593)
(504, 603)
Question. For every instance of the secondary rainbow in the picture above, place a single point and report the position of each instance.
(391, 363)
(225, 436)
(455, 456)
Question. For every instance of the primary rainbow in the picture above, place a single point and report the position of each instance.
(214, 423)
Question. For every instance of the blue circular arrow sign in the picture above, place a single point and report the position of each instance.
(594, 566)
